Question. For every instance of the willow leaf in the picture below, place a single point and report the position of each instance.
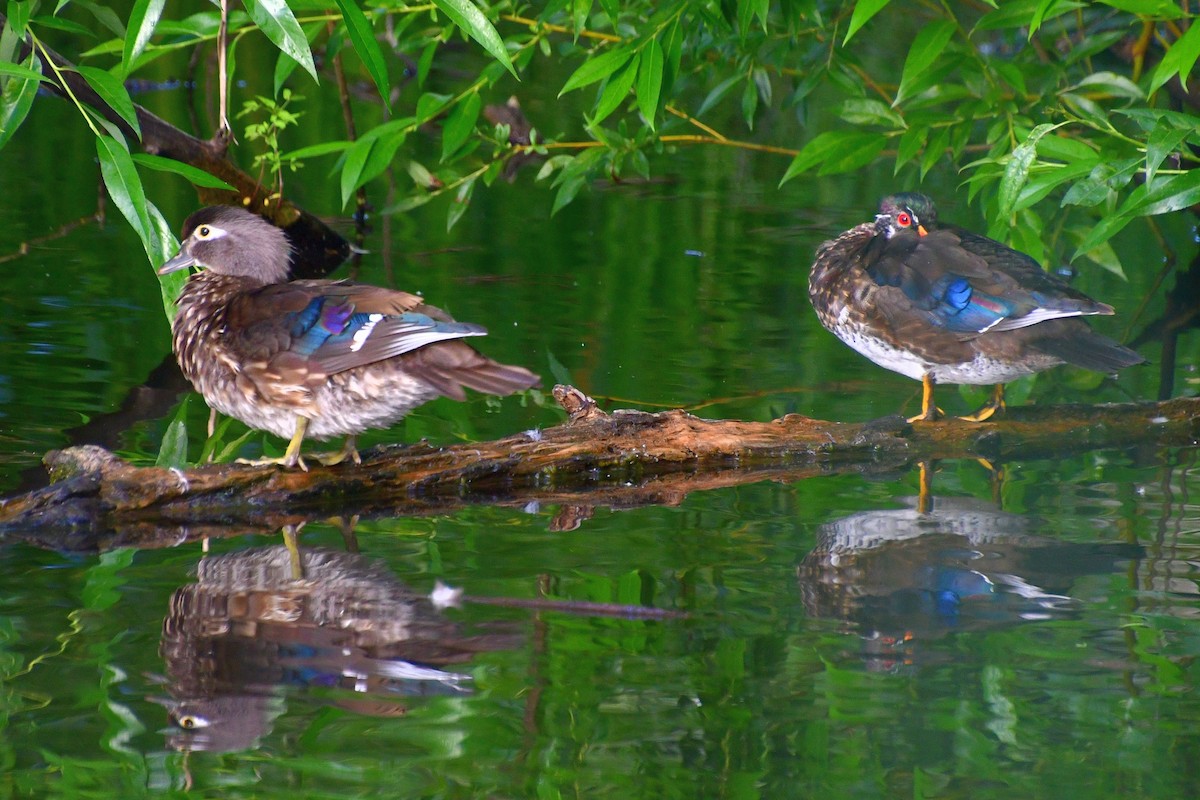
(467, 16)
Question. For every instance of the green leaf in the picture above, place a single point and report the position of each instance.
(1149, 118)
(197, 176)
(462, 199)
(1103, 255)
(597, 68)
(910, 144)
(1164, 140)
(612, 10)
(17, 98)
(1104, 230)
(1113, 84)
(835, 151)
(1017, 170)
(24, 73)
(105, 16)
(615, 91)
(161, 246)
(1150, 8)
(18, 12)
(467, 16)
(762, 82)
(285, 65)
(574, 176)
(352, 167)
(370, 155)
(125, 187)
(857, 152)
(1179, 58)
(926, 48)
(430, 104)
(935, 150)
(863, 11)
(673, 51)
(425, 62)
(112, 92)
(1046, 179)
(558, 371)
(1045, 10)
(717, 94)
(142, 21)
(421, 176)
(67, 25)
(869, 111)
(172, 453)
(749, 103)
(460, 124)
(650, 81)
(1170, 194)
(1087, 193)
(320, 149)
(279, 25)
(362, 35)
(580, 9)
(1103, 182)
(407, 203)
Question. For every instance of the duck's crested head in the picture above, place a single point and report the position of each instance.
(905, 211)
(229, 240)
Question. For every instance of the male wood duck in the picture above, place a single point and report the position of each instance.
(313, 358)
(943, 305)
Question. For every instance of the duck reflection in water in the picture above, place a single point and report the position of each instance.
(900, 576)
(249, 634)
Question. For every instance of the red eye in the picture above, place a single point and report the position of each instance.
(903, 219)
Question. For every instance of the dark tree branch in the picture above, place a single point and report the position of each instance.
(319, 249)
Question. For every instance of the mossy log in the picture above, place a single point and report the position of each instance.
(595, 459)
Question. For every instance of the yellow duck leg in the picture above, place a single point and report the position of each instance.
(996, 403)
(291, 456)
(929, 411)
(348, 451)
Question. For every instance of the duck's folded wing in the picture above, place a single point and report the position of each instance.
(324, 327)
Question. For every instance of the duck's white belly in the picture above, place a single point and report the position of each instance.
(350, 403)
(980, 370)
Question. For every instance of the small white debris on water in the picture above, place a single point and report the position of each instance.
(444, 596)
(1158, 420)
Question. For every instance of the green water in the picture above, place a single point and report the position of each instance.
(1033, 636)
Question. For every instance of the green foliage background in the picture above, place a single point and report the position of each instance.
(1067, 121)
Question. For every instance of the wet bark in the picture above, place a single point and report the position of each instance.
(595, 459)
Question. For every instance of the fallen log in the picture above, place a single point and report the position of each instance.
(622, 459)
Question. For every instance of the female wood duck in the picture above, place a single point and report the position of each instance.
(312, 358)
(944, 305)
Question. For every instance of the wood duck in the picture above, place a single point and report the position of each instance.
(943, 305)
(313, 358)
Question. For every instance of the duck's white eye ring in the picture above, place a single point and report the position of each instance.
(208, 232)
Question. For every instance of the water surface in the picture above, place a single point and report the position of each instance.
(1034, 634)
